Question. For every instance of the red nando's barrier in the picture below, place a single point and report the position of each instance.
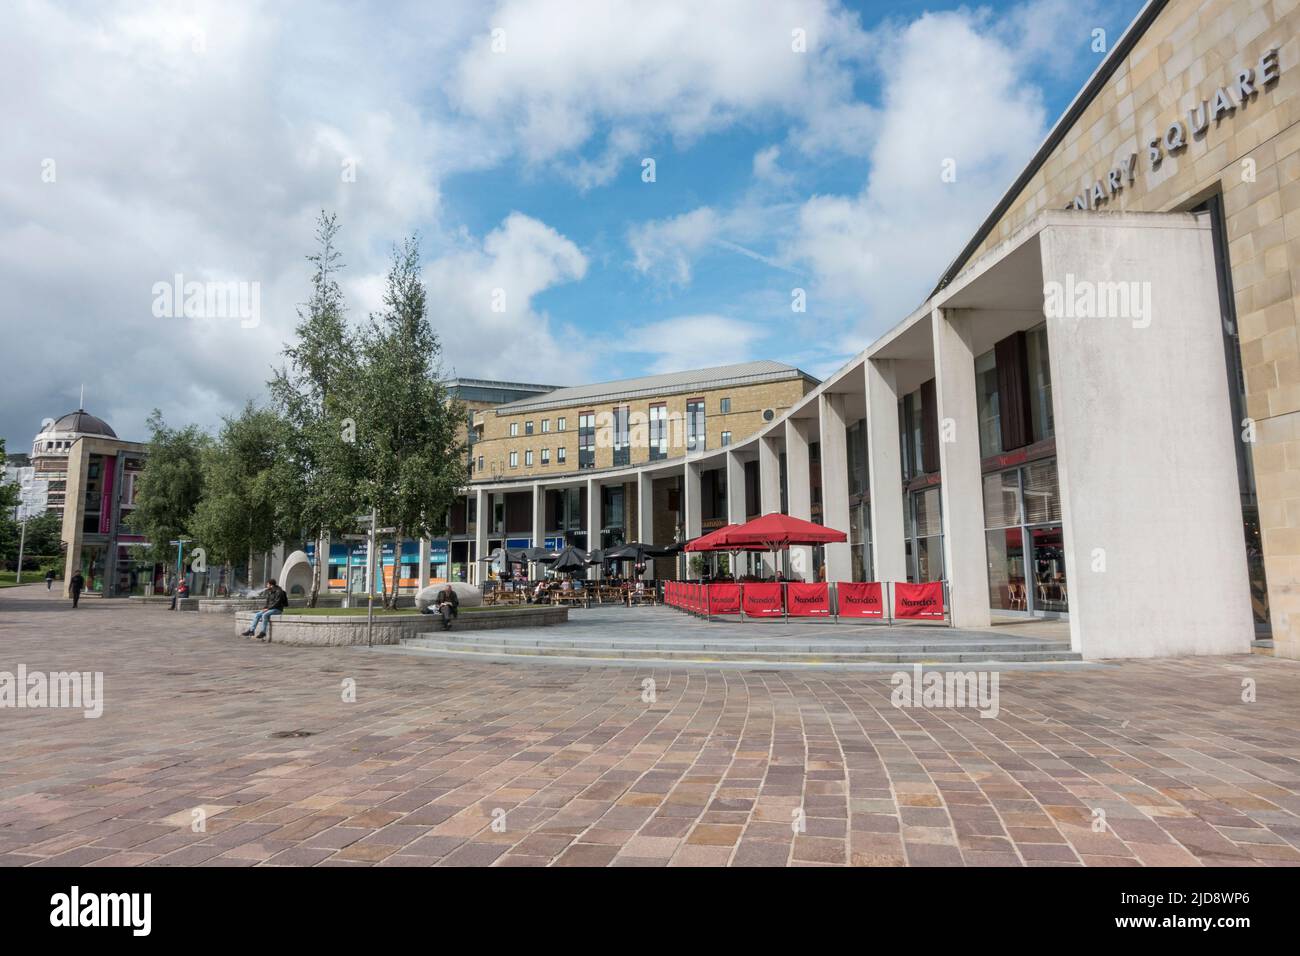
(861, 599)
(724, 598)
(761, 600)
(924, 601)
(808, 600)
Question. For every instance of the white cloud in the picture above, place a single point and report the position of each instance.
(203, 141)
(566, 75)
(667, 247)
(482, 297)
(886, 246)
(692, 341)
(767, 168)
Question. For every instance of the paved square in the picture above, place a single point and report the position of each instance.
(451, 762)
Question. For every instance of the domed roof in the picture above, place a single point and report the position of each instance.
(81, 422)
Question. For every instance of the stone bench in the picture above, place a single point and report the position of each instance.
(334, 630)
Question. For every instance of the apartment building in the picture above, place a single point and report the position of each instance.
(632, 421)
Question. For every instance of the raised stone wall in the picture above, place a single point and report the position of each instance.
(327, 630)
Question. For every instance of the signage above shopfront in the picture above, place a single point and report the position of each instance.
(1225, 101)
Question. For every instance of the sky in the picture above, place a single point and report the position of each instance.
(599, 190)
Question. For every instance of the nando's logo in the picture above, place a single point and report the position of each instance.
(918, 602)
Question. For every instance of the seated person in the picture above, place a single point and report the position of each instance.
(446, 604)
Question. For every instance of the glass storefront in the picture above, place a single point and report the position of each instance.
(1026, 549)
(860, 541)
(923, 536)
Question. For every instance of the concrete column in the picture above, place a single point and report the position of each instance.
(835, 483)
(539, 527)
(478, 569)
(798, 491)
(769, 476)
(965, 559)
(593, 523)
(769, 485)
(1145, 443)
(735, 489)
(422, 578)
(885, 472)
(692, 521)
(691, 487)
(645, 519)
(735, 495)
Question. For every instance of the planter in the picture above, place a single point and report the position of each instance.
(336, 630)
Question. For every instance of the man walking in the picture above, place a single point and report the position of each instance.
(49, 579)
(276, 601)
(76, 585)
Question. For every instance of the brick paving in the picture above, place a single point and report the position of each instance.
(449, 762)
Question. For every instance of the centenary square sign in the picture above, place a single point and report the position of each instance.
(1224, 102)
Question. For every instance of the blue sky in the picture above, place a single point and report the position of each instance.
(201, 139)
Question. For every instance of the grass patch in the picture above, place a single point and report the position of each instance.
(29, 577)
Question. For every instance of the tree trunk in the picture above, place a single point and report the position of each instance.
(397, 567)
(250, 566)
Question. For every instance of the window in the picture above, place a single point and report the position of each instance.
(923, 541)
(528, 458)
(1026, 554)
(514, 459)
(546, 425)
(587, 440)
(546, 456)
(726, 438)
(561, 455)
(1040, 384)
(622, 450)
(514, 429)
(560, 424)
(724, 406)
(986, 396)
(480, 462)
(528, 427)
(658, 432)
(695, 425)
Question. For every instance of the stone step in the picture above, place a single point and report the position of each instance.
(772, 646)
(687, 653)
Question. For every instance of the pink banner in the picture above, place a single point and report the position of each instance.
(107, 475)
